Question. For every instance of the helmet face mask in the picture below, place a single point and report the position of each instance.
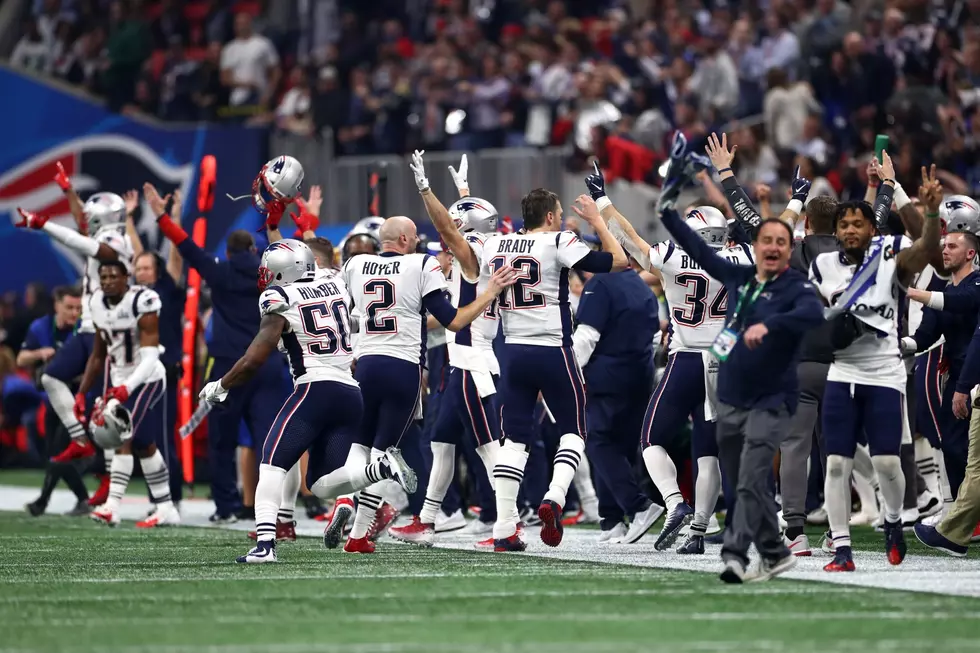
(710, 224)
(112, 424)
(278, 184)
(103, 210)
(285, 261)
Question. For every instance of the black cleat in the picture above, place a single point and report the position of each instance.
(80, 510)
(895, 545)
(675, 521)
(693, 545)
(36, 508)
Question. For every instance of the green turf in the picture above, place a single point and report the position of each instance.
(137, 486)
(70, 585)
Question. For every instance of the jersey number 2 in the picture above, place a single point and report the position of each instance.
(312, 315)
(520, 295)
(384, 289)
(695, 307)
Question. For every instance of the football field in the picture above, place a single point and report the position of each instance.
(72, 585)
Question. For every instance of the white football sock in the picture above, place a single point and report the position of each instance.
(109, 454)
(925, 462)
(892, 483)
(488, 454)
(866, 492)
(508, 472)
(863, 465)
(571, 450)
(119, 475)
(706, 491)
(586, 490)
(63, 402)
(355, 475)
(368, 502)
(157, 478)
(290, 489)
(837, 498)
(664, 475)
(944, 488)
(443, 466)
(268, 494)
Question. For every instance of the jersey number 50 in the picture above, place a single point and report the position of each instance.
(313, 315)
(520, 295)
(695, 307)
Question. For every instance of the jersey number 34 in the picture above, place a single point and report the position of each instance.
(695, 308)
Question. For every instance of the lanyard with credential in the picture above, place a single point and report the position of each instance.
(722, 347)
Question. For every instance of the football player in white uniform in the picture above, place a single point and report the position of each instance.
(697, 314)
(865, 394)
(393, 290)
(536, 319)
(307, 318)
(127, 320)
(104, 216)
(468, 400)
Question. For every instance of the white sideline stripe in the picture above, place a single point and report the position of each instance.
(937, 575)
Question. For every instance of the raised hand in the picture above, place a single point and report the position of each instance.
(30, 220)
(315, 201)
(586, 209)
(177, 205)
(874, 172)
(887, 168)
(763, 193)
(931, 190)
(418, 169)
(800, 186)
(61, 177)
(132, 200)
(459, 176)
(157, 204)
(596, 183)
(718, 151)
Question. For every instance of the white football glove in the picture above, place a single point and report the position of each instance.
(459, 176)
(213, 392)
(418, 169)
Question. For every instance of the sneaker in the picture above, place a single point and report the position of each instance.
(314, 507)
(529, 516)
(693, 545)
(549, 513)
(779, 520)
(733, 573)
(817, 517)
(80, 510)
(910, 517)
(446, 523)
(334, 532)
(383, 518)
(863, 518)
(103, 516)
(843, 561)
(102, 493)
(642, 522)
(680, 515)
(573, 518)
(415, 533)
(512, 544)
(477, 528)
(933, 539)
(928, 504)
(401, 473)
(285, 531)
(713, 525)
(827, 543)
(359, 545)
(163, 516)
(262, 553)
(77, 449)
(798, 546)
(36, 508)
(895, 545)
(218, 519)
(613, 535)
(935, 518)
(766, 569)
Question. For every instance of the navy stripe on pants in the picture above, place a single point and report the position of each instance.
(463, 410)
(392, 389)
(680, 395)
(149, 414)
(928, 396)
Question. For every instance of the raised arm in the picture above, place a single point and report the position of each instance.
(913, 259)
(206, 265)
(437, 304)
(587, 209)
(132, 199)
(721, 158)
(175, 262)
(74, 201)
(79, 242)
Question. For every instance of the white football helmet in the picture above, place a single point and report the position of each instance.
(104, 210)
(112, 424)
(277, 185)
(710, 224)
(286, 261)
(369, 226)
(960, 213)
(474, 214)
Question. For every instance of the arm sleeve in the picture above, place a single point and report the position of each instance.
(883, 204)
(716, 266)
(738, 233)
(807, 312)
(584, 341)
(595, 262)
(741, 205)
(437, 305)
(571, 250)
(970, 375)
(929, 330)
(273, 301)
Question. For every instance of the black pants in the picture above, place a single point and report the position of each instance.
(56, 438)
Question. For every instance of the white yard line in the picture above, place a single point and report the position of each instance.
(940, 575)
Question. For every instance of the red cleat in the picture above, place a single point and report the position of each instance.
(285, 532)
(486, 544)
(102, 494)
(842, 561)
(976, 534)
(76, 450)
(551, 527)
(383, 518)
(573, 519)
(512, 544)
(415, 533)
(360, 545)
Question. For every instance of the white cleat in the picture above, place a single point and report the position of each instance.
(164, 515)
(798, 546)
(934, 519)
(453, 522)
(764, 569)
(401, 473)
(642, 522)
(262, 553)
(818, 516)
(782, 522)
(863, 518)
(477, 528)
(614, 535)
(104, 516)
(590, 512)
(929, 504)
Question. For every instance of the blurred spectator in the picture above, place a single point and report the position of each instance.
(487, 98)
(32, 51)
(169, 25)
(330, 103)
(48, 16)
(128, 47)
(294, 113)
(780, 47)
(177, 84)
(715, 79)
(208, 93)
(249, 66)
(785, 109)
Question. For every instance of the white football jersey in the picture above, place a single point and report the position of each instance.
(387, 291)
(535, 310)
(471, 348)
(697, 302)
(117, 239)
(316, 339)
(873, 358)
(118, 326)
(928, 279)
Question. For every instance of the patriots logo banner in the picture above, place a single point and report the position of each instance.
(105, 152)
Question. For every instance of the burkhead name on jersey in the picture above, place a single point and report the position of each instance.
(316, 338)
(118, 325)
(873, 357)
